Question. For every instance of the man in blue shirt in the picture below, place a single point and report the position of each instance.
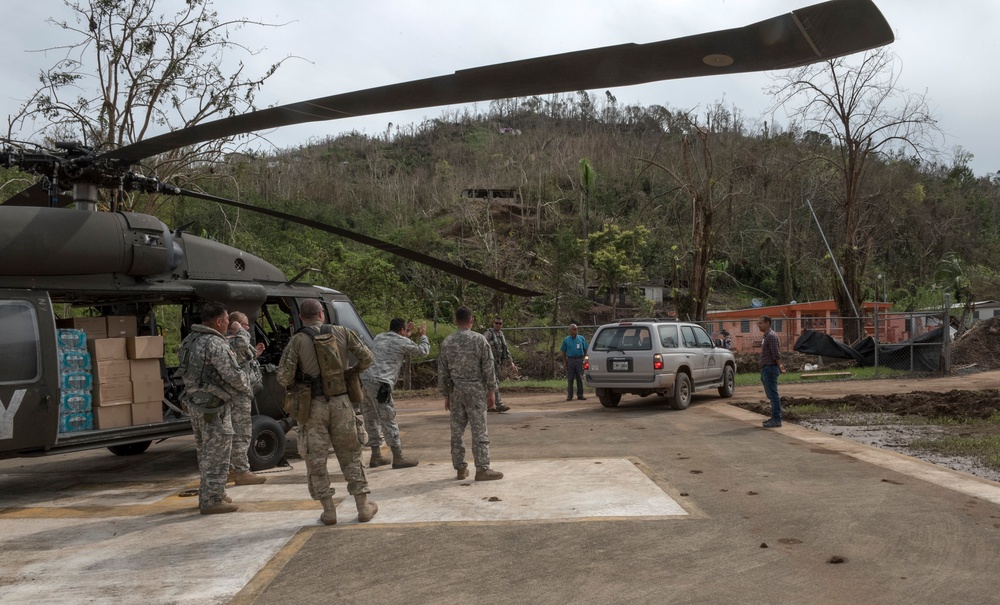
(573, 348)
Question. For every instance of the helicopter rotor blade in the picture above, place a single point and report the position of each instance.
(457, 270)
(37, 196)
(806, 35)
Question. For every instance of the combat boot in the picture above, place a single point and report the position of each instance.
(501, 408)
(366, 509)
(463, 473)
(377, 458)
(329, 516)
(487, 474)
(218, 508)
(232, 475)
(400, 461)
(248, 478)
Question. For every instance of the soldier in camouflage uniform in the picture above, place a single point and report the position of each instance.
(332, 420)
(501, 357)
(467, 379)
(212, 380)
(390, 350)
(246, 355)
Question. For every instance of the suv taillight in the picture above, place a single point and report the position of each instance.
(657, 362)
(586, 362)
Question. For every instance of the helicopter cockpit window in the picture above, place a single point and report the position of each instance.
(20, 359)
(346, 315)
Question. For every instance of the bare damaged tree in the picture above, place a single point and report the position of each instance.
(711, 174)
(867, 117)
(132, 72)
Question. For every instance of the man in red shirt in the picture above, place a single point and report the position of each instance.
(770, 368)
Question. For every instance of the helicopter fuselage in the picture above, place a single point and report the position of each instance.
(64, 263)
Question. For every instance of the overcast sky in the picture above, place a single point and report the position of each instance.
(346, 45)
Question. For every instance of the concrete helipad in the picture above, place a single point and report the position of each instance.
(117, 539)
(531, 490)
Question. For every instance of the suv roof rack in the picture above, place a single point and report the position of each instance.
(652, 319)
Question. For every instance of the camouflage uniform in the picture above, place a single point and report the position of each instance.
(332, 421)
(209, 367)
(242, 424)
(501, 356)
(390, 350)
(466, 375)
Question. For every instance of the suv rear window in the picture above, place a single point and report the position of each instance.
(668, 337)
(623, 338)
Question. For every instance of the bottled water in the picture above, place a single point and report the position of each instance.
(74, 361)
(71, 340)
(74, 402)
(79, 421)
(76, 381)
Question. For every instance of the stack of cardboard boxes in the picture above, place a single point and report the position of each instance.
(145, 355)
(127, 384)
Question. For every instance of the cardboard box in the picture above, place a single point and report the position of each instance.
(112, 416)
(95, 327)
(144, 347)
(104, 349)
(147, 390)
(147, 413)
(113, 393)
(144, 370)
(112, 370)
(121, 326)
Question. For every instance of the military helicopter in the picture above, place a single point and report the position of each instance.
(132, 268)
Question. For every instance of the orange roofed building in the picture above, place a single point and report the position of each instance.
(790, 320)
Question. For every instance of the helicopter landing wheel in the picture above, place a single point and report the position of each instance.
(267, 443)
(130, 449)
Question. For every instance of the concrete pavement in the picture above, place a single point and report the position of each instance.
(770, 510)
(637, 504)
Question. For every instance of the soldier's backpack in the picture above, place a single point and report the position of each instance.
(329, 355)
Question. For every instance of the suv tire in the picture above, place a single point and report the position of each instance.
(728, 382)
(608, 399)
(681, 397)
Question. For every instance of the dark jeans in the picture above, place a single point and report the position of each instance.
(574, 370)
(769, 378)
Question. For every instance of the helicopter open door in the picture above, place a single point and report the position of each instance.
(29, 392)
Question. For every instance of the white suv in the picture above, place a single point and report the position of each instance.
(662, 356)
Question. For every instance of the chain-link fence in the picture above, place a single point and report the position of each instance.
(911, 341)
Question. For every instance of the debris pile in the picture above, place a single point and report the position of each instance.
(979, 345)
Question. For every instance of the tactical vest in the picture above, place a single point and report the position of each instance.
(330, 344)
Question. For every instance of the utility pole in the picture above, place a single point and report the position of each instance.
(836, 267)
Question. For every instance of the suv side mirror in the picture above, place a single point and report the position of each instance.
(718, 342)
